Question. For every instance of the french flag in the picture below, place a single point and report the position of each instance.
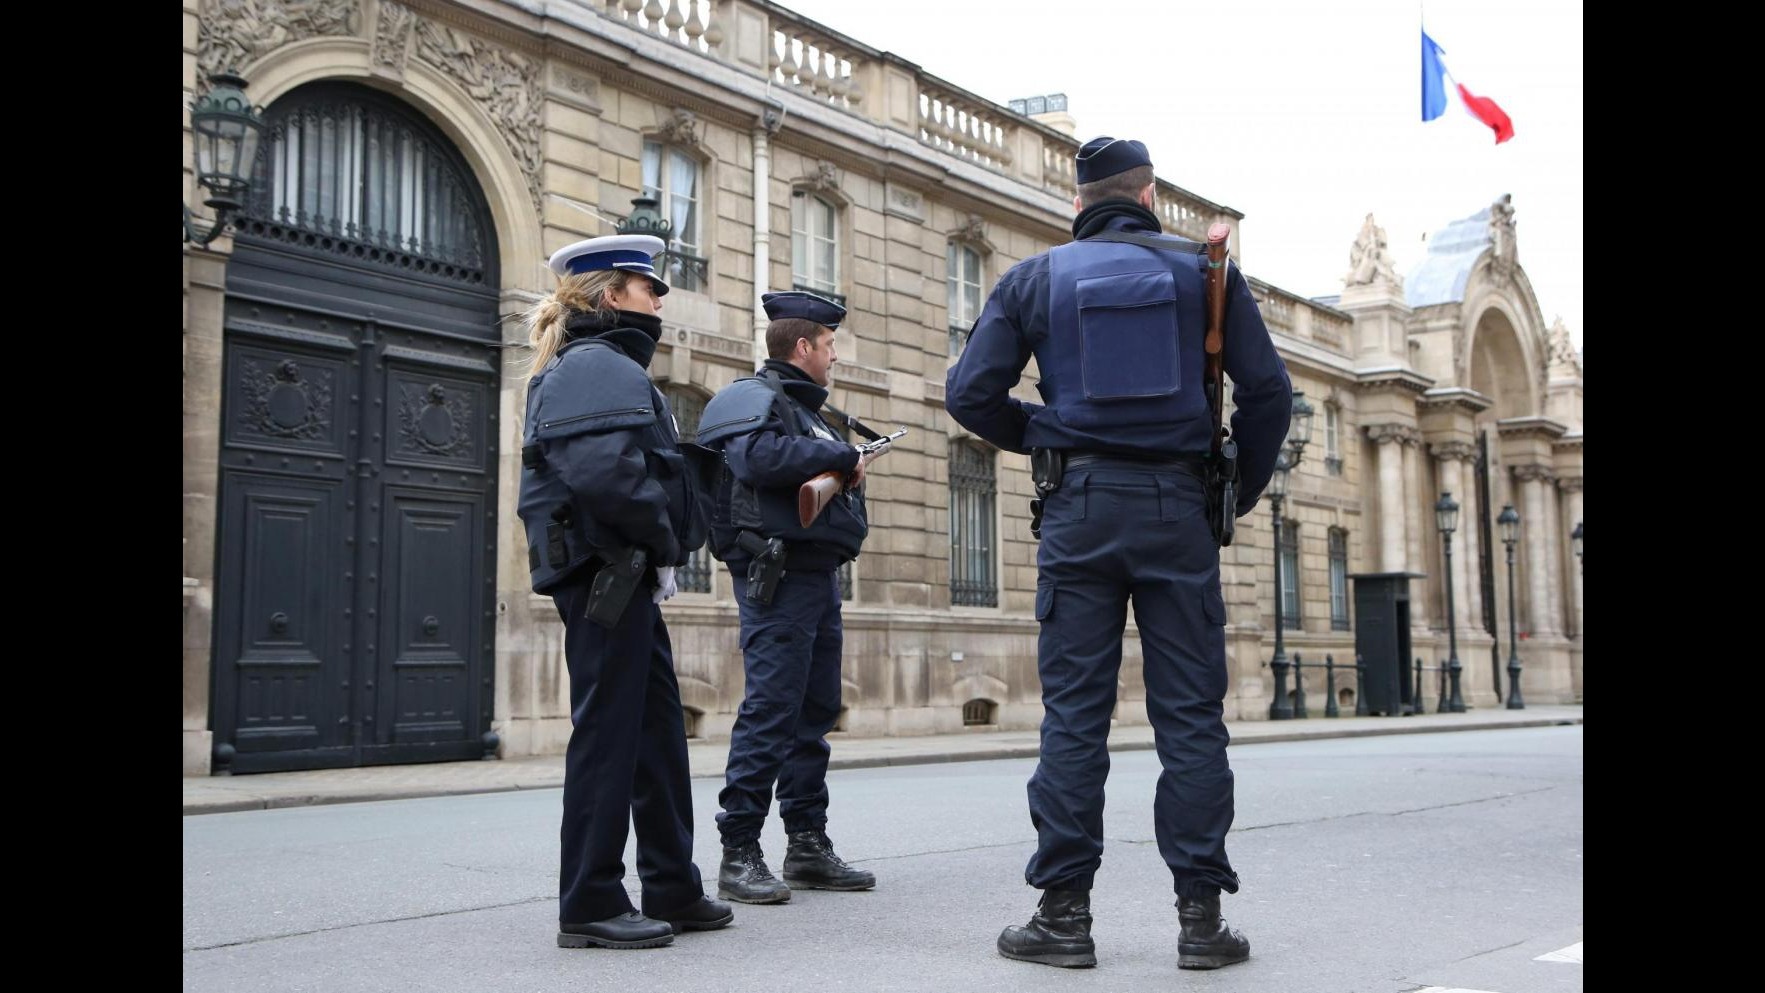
(1434, 94)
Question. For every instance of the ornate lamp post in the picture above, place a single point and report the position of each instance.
(1279, 709)
(227, 130)
(1446, 518)
(646, 219)
(1510, 536)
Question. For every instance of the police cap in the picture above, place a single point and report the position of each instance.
(631, 252)
(1104, 156)
(799, 303)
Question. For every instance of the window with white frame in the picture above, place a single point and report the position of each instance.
(815, 245)
(1333, 439)
(671, 175)
(1338, 579)
(973, 492)
(964, 268)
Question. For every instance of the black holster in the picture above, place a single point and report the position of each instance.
(766, 569)
(614, 585)
(1220, 481)
(1047, 469)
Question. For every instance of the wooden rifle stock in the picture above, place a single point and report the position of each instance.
(812, 497)
(1213, 371)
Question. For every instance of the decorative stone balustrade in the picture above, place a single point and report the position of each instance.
(690, 28)
(964, 125)
(816, 65)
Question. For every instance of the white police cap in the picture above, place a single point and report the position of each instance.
(631, 252)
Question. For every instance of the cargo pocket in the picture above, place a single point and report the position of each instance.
(1213, 605)
(1128, 323)
(1044, 600)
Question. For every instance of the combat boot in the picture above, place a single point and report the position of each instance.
(1206, 942)
(1059, 933)
(744, 877)
(810, 864)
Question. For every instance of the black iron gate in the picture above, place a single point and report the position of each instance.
(355, 559)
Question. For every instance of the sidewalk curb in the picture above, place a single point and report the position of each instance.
(244, 801)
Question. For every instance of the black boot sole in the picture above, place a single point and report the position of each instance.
(805, 883)
(727, 894)
(1191, 961)
(567, 940)
(710, 925)
(1065, 960)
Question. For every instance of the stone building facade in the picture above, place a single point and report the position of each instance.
(355, 577)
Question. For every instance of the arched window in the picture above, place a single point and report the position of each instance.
(973, 491)
(345, 172)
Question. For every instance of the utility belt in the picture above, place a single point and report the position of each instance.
(1049, 466)
(773, 557)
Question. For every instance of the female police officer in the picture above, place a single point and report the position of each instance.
(610, 508)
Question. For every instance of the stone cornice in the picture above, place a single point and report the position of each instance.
(1455, 397)
(1568, 443)
(1531, 427)
(1534, 472)
(1389, 379)
(1569, 484)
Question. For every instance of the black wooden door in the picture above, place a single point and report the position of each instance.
(355, 554)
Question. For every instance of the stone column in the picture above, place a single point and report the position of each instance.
(1533, 481)
(1571, 489)
(1387, 439)
(1453, 457)
(1417, 500)
(1452, 478)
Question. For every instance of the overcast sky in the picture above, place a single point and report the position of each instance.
(1303, 115)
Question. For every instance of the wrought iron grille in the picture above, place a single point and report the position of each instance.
(688, 406)
(1338, 580)
(972, 493)
(686, 272)
(343, 172)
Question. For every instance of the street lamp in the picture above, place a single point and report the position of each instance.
(1510, 536)
(1279, 708)
(1446, 517)
(1575, 541)
(227, 130)
(646, 219)
(1299, 426)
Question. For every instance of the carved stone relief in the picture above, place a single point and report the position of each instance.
(231, 33)
(506, 84)
(392, 35)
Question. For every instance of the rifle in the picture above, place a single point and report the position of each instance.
(812, 497)
(1222, 466)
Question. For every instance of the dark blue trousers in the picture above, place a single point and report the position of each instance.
(791, 655)
(1110, 537)
(626, 763)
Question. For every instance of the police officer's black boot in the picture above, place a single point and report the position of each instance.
(1058, 934)
(810, 864)
(744, 877)
(1206, 941)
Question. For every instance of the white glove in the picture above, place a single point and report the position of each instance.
(665, 587)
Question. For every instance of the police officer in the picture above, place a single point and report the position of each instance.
(770, 430)
(1116, 328)
(610, 506)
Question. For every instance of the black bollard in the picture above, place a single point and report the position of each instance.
(1416, 706)
(1442, 707)
(1360, 686)
(1330, 708)
(1298, 687)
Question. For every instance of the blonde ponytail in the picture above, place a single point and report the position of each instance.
(583, 292)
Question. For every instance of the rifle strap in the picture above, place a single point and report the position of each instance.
(852, 422)
(781, 404)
